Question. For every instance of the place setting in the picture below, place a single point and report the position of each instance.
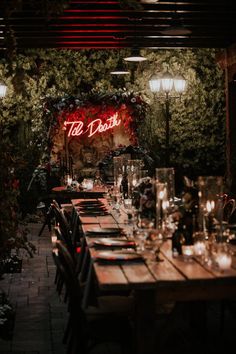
(118, 256)
(105, 232)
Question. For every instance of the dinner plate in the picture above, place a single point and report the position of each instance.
(118, 256)
(93, 213)
(89, 203)
(94, 207)
(114, 242)
(100, 230)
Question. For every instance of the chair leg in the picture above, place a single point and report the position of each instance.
(47, 222)
(42, 228)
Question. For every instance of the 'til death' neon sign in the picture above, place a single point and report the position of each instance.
(77, 128)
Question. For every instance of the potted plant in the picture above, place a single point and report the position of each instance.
(13, 232)
(7, 317)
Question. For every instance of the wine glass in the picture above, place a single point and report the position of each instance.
(153, 244)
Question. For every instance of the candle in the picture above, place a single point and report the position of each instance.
(224, 260)
(54, 240)
(161, 195)
(187, 251)
(88, 184)
(69, 180)
(119, 180)
(134, 181)
(199, 248)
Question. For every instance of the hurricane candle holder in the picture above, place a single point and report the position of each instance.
(167, 176)
(210, 203)
(118, 170)
(134, 174)
(161, 203)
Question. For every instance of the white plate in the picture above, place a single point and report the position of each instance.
(111, 242)
(100, 230)
(118, 256)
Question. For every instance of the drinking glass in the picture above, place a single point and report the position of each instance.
(141, 233)
(153, 244)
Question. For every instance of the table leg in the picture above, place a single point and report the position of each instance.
(145, 336)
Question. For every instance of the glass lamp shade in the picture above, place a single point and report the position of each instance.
(167, 82)
(180, 84)
(120, 70)
(3, 90)
(135, 56)
(155, 83)
(148, 1)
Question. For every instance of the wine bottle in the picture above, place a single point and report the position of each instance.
(124, 186)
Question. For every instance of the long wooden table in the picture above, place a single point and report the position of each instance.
(174, 279)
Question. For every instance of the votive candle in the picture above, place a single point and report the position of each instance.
(199, 248)
(224, 261)
(187, 251)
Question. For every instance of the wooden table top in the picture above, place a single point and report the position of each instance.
(174, 279)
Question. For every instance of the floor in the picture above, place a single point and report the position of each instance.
(41, 315)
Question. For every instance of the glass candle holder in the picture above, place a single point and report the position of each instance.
(134, 174)
(167, 176)
(210, 202)
(187, 252)
(223, 257)
(199, 244)
(161, 204)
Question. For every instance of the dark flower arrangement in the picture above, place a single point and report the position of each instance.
(144, 197)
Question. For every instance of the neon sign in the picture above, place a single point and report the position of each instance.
(77, 128)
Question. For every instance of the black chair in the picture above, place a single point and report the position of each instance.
(228, 209)
(83, 331)
(47, 211)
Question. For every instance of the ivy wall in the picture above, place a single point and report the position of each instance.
(197, 128)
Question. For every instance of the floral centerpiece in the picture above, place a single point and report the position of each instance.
(144, 197)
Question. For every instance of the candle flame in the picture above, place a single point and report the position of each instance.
(210, 205)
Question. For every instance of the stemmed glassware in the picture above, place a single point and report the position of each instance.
(144, 225)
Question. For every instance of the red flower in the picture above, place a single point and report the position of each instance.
(15, 184)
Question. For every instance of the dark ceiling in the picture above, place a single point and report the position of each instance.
(104, 24)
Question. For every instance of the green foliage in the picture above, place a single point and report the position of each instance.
(197, 127)
(8, 190)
